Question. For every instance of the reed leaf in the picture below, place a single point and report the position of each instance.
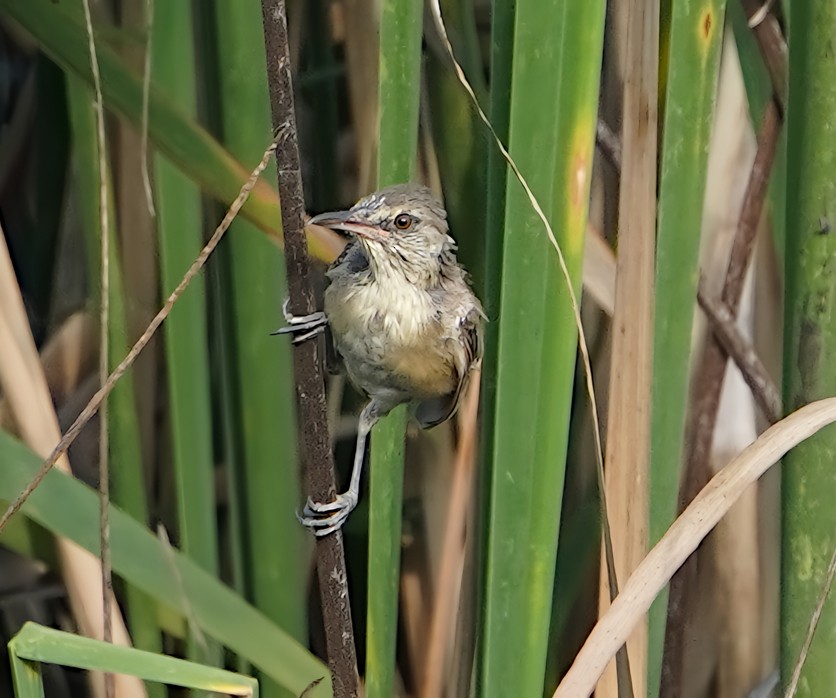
(180, 233)
(69, 508)
(808, 486)
(126, 471)
(696, 34)
(535, 376)
(399, 71)
(265, 430)
(35, 644)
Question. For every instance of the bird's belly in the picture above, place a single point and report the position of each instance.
(391, 342)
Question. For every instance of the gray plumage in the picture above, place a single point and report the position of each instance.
(402, 316)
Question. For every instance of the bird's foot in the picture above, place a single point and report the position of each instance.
(325, 518)
(302, 327)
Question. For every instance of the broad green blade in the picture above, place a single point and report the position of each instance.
(808, 484)
(400, 71)
(36, 643)
(275, 545)
(553, 107)
(696, 34)
(125, 444)
(499, 108)
(26, 676)
(460, 139)
(180, 232)
(69, 508)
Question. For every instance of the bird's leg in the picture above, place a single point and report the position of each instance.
(325, 518)
(308, 325)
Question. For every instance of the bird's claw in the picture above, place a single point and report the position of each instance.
(302, 327)
(323, 518)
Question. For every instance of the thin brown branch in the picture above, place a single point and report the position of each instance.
(711, 371)
(315, 448)
(740, 349)
(713, 357)
(772, 44)
(95, 402)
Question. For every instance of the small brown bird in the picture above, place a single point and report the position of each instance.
(402, 316)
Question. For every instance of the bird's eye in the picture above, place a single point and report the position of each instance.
(403, 221)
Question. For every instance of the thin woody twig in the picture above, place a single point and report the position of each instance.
(761, 14)
(740, 349)
(772, 44)
(315, 450)
(713, 357)
(95, 402)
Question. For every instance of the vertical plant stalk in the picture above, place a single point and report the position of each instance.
(179, 231)
(315, 450)
(696, 34)
(812, 627)
(361, 21)
(808, 486)
(399, 70)
(123, 427)
(458, 138)
(628, 433)
(104, 345)
(498, 123)
(712, 370)
(523, 279)
(146, 92)
(259, 392)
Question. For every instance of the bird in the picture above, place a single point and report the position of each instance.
(403, 320)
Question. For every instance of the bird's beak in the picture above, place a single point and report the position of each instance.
(344, 220)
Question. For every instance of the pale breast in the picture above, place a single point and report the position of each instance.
(390, 337)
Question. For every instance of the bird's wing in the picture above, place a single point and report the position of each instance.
(350, 263)
(333, 358)
(434, 411)
(472, 328)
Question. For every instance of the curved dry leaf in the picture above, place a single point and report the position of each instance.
(683, 537)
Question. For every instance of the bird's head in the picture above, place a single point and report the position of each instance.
(402, 228)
